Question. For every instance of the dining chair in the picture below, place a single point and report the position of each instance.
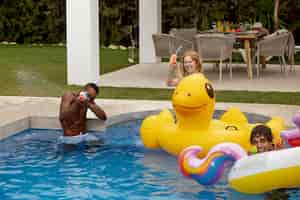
(184, 33)
(275, 45)
(291, 50)
(162, 45)
(215, 47)
(165, 45)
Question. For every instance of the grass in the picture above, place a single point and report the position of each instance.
(289, 98)
(41, 71)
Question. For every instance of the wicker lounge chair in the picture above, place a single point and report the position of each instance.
(215, 47)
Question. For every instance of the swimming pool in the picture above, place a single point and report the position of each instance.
(34, 166)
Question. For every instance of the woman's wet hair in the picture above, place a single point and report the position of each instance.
(261, 130)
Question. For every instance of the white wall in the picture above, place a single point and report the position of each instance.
(82, 41)
(149, 23)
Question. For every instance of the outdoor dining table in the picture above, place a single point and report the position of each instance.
(248, 38)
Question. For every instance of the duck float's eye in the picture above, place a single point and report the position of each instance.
(209, 90)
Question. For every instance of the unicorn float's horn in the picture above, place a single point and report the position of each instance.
(209, 170)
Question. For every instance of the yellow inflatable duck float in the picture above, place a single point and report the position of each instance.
(194, 102)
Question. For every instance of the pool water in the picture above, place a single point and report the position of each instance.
(34, 166)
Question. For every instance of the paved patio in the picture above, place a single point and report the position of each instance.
(154, 76)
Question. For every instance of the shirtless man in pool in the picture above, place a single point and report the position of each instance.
(73, 109)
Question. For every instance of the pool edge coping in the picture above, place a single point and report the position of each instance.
(47, 122)
(39, 112)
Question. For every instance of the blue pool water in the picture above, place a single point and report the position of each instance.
(33, 166)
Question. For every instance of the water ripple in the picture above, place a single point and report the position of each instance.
(34, 166)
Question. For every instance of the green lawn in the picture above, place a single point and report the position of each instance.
(41, 71)
(290, 98)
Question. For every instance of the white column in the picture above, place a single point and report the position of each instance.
(82, 41)
(150, 22)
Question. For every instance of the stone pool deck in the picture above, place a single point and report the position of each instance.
(20, 113)
(154, 76)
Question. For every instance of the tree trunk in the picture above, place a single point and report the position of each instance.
(275, 17)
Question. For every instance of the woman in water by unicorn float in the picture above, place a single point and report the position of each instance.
(206, 145)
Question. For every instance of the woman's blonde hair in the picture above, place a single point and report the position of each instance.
(195, 57)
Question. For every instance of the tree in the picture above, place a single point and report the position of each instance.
(117, 18)
(275, 18)
(44, 21)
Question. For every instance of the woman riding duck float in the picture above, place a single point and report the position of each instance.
(194, 102)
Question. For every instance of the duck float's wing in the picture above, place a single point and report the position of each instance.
(234, 116)
(276, 124)
(151, 127)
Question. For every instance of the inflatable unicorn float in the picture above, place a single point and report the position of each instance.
(205, 146)
(293, 136)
